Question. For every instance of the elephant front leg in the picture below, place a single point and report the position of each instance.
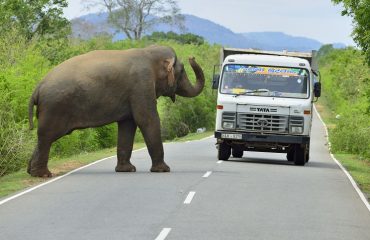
(126, 135)
(151, 129)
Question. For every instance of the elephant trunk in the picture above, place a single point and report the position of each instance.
(185, 89)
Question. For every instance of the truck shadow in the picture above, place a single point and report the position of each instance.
(261, 161)
(311, 164)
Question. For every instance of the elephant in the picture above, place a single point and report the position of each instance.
(107, 86)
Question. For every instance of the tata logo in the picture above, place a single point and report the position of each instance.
(262, 123)
(263, 110)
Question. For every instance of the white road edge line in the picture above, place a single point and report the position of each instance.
(56, 179)
(163, 234)
(207, 174)
(354, 184)
(189, 198)
(220, 161)
(206, 138)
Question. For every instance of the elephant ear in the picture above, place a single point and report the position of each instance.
(169, 63)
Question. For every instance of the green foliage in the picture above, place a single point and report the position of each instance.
(187, 38)
(15, 142)
(359, 10)
(346, 90)
(107, 136)
(21, 67)
(351, 134)
(35, 18)
(78, 142)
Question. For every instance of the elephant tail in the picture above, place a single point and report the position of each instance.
(33, 101)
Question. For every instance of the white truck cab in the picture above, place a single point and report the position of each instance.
(264, 103)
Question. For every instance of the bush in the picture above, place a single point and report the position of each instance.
(15, 140)
(107, 136)
(77, 142)
(346, 91)
(351, 134)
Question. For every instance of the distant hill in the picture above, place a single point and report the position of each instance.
(281, 41)
(90, 25)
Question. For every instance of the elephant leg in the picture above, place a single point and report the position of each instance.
(148, 121)
(126, 135)
(37, 166)
(49, 130)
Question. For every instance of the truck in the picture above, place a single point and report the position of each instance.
(265, 102)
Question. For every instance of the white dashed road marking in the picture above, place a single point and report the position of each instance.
(220, 161)
(189, 198)
(207, 174)
(163, 234)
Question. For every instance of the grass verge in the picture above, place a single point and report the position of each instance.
(358, 167)
(58, 166)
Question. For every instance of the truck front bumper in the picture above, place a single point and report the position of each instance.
(267, 138)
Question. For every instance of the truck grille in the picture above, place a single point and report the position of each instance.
(263, 122)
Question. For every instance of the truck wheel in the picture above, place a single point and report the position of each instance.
(290, 155)
(224, 151)
(237, 153)
(299, 155)
(308, 153)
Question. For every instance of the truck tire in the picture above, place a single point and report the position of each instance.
(300, 155)
(224, 151)
(308, 153)
(237, 153)
(290, 155)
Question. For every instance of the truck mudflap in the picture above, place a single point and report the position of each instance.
(270, 138)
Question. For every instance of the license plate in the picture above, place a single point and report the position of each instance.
(231, 136)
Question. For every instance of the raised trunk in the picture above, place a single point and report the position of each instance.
(184, 88)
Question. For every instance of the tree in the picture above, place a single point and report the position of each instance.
(135, 17)
(35, 18)
(359, 10)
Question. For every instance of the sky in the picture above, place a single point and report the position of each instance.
(317, 19)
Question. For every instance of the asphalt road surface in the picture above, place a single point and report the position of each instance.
(261, 196)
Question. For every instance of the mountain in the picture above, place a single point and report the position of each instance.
(281, 41)
(91, 25)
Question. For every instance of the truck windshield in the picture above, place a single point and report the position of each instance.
(265, 81)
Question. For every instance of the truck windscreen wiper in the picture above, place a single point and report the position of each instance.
(262, 90)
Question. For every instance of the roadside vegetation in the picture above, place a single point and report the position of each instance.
(345, 107)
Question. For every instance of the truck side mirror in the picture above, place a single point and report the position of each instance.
(215, 81)
(317, 89)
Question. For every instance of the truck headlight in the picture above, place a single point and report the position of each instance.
(296, 130)
(228, 125)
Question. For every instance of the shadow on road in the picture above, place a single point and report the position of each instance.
(261, 161)
(312, 163)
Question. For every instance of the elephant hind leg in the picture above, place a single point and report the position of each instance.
(126, 135)
(37, 166)
(46, 134)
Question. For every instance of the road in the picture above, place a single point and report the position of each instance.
(261, 196)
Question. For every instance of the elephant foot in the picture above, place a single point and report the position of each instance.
(161, 167)
(128, 167)
(44, 173)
